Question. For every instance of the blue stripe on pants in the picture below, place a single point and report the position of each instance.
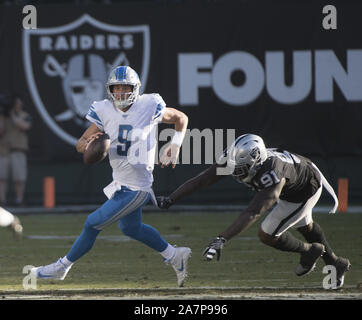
(126, 206)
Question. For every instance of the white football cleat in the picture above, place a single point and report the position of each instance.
(179, 264)
(54, 271)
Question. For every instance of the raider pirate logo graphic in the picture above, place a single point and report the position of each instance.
(67, 67)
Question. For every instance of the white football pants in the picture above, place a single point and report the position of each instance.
(287, 214)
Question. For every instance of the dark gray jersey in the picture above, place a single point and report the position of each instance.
(302, 179)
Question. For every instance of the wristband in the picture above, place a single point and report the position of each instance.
(177, 138)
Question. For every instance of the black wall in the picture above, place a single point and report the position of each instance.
(267, 67)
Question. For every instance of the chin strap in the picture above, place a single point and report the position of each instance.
(329, 188)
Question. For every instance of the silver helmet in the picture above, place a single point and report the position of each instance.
(245, 156)
(123, 75)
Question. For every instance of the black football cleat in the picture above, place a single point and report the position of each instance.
(308, 260)
(342, 266)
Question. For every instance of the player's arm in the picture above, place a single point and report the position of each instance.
(261, 202)
(91, 133)
(177, 118)
(204, 179)
(180, 121)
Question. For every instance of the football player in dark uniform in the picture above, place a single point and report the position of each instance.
(289, 182)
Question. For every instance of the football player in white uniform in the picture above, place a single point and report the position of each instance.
(130, 120)
(7, 219)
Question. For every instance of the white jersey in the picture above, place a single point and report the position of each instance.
(133, 140)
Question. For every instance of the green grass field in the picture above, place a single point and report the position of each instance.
(118, 262)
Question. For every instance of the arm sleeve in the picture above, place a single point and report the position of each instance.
(94, 116)
(160, 108)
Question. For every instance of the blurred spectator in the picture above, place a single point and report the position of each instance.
(18, 143)
(13, 147)
(4, 146)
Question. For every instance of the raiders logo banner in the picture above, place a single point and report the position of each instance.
(67, 66)
(266, 72)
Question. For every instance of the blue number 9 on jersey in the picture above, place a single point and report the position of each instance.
(125, 143)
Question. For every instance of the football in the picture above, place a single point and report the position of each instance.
(97, 150)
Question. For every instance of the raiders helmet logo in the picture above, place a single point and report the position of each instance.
(67, 68)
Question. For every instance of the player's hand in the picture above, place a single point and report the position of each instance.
(164, 202)
(91, 138)
(170, 156)
(214, 247)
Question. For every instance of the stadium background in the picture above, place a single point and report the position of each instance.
(326, 131)
(322, 70)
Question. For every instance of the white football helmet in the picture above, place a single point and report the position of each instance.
(123, 75)
(245, 156)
